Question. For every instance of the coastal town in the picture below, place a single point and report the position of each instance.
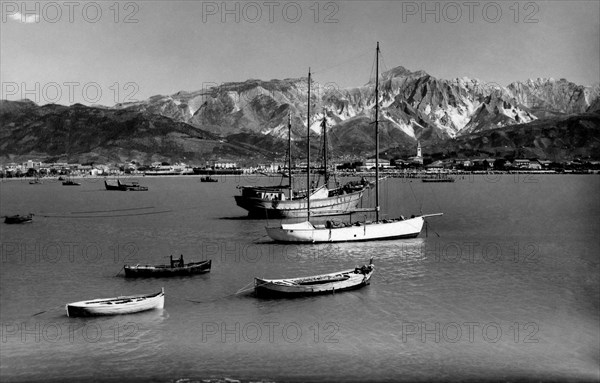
(412, 166)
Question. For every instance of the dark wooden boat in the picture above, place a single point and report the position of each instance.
(210, 171)
(116, 306)
(208, 179)
(133, 186)
(70, 182)
(316, 284)
(283, 201)
(14, 219)
(176, 268)
(440, 178)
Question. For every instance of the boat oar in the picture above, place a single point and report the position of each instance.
(120, 271)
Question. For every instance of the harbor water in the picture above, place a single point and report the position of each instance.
(503, 286)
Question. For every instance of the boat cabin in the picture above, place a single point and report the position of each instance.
(264, 193)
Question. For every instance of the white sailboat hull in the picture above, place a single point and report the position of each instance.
(305, 232)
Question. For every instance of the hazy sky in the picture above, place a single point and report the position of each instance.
(99, 52)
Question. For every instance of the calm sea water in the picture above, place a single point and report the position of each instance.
(504, 286)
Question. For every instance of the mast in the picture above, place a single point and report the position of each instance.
(308, 153)
(325, 174)
(290, 152)
(377, 134)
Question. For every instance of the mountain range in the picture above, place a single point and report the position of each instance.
(543, 118)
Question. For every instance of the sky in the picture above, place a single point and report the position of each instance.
(107, 52)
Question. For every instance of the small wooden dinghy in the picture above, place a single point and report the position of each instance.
(116, 306)
(316, 284)
(16, 219)
(133, 186)
(176, 268)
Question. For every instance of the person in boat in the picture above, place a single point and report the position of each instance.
(364, 269)
(181, 264)
(172, 261)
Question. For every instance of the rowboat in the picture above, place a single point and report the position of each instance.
(14, 219)
(208, 179)
(116, 306)
(316, 284)
(176, 268)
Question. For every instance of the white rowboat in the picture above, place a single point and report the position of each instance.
(116, 306)
(316, 284)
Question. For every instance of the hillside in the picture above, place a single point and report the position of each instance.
(88, 134)
(248, 120)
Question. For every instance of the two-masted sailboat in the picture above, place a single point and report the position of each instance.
(283, 201)
(307, 232)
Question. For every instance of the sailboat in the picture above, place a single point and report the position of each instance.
(283, 201)
(307, 232)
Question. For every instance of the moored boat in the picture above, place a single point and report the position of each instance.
(175, 268)
(272, 202)
(307, 232)
(217, 171)
(316, 284)
(70, 182)
(283, 201)
(14, 219)
(208, 179)
(133, 186)
(387, 229)
(116, 306)
(439, 178)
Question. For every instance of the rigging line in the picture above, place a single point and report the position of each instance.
(371, 75)
(106, 216)
(413, 192)
(437, 203)
(243, 289)
(106, 211)
(383, 64)
(50, 309)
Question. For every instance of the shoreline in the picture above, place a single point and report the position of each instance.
(412, 175)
